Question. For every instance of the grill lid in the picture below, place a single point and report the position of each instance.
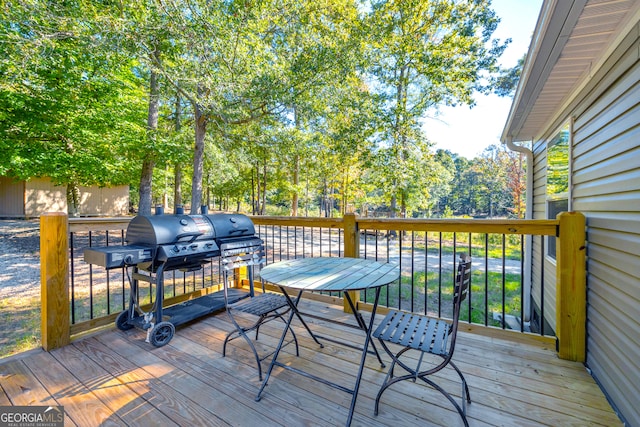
(159, 230)
(178, 241)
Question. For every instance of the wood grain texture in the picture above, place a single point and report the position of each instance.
(116, 378)
(571, 287)
(54, 280)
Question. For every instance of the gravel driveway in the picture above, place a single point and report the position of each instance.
(19, 286)
(19, 258)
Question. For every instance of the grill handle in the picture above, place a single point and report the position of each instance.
(193, 234)
(239, 230)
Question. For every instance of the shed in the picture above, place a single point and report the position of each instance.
(29, 199)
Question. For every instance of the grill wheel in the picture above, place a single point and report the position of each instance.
(122, 321)
(162, 333)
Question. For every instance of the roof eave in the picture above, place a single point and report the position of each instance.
(555, 24)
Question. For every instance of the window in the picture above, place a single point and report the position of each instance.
(558, 175)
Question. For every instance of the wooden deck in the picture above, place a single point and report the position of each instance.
(115, 378)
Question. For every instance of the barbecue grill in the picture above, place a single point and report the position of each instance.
(160, 243)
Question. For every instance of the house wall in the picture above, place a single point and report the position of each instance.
(606, 188)
(606, 183)
(11, 196)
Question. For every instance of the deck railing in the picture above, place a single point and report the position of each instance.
(90, 297)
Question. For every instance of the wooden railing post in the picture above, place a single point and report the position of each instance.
(54, 280)
(239, 276)
(351, 250)
(571, 287)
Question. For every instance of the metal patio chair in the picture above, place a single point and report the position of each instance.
(265, 306)
(428, 336)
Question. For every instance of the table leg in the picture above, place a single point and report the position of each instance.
(275, 354)
(363, 325)
(294, 312)
(364, 354)
(294, 307)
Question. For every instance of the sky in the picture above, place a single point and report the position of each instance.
(468, 131)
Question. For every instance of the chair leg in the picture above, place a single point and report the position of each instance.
(413, 375)
(293, 334)
(242, 333)
(388, 382)
(465, 388)
(385, 384)
(450, 398)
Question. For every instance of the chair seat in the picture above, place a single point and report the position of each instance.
(411, 330)
(261, 304)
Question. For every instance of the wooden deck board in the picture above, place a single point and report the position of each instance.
(80, 403)
(120, 398)
(115, 378)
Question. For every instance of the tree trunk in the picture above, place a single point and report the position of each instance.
(264, 188)
(393, 206)
(146, 178)
(177, 168)
(296, 167)
(73, 199)
(306, 201)
(296, 181)
(208, 188)
(198, 160)
(403, 205)
(146, 175)
(177, 180)
(253, 195)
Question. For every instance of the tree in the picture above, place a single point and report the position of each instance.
(424, 54)
(69, 101)
(149, 161)
(492, 183)
(141, 29)
(516, 184)
(507, 82)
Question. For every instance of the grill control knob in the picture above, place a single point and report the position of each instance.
(175, 248)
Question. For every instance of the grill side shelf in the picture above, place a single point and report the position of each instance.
(118, 256)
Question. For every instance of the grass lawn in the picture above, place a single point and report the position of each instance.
(438, 298)
(20, 320)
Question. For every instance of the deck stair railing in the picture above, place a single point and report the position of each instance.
(78, 297)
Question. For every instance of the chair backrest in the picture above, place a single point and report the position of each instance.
(249, 257)
(461, 288)
(463, 280)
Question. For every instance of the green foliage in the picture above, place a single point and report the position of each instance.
(301, 103)
(68, 99)
(558, 163)
(507, 82)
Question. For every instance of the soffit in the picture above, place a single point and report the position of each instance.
(571, 39)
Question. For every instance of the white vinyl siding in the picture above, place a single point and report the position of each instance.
(606, 188)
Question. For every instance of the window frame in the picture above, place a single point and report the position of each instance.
(552, 199)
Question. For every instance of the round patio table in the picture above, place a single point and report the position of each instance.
(329, 274)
